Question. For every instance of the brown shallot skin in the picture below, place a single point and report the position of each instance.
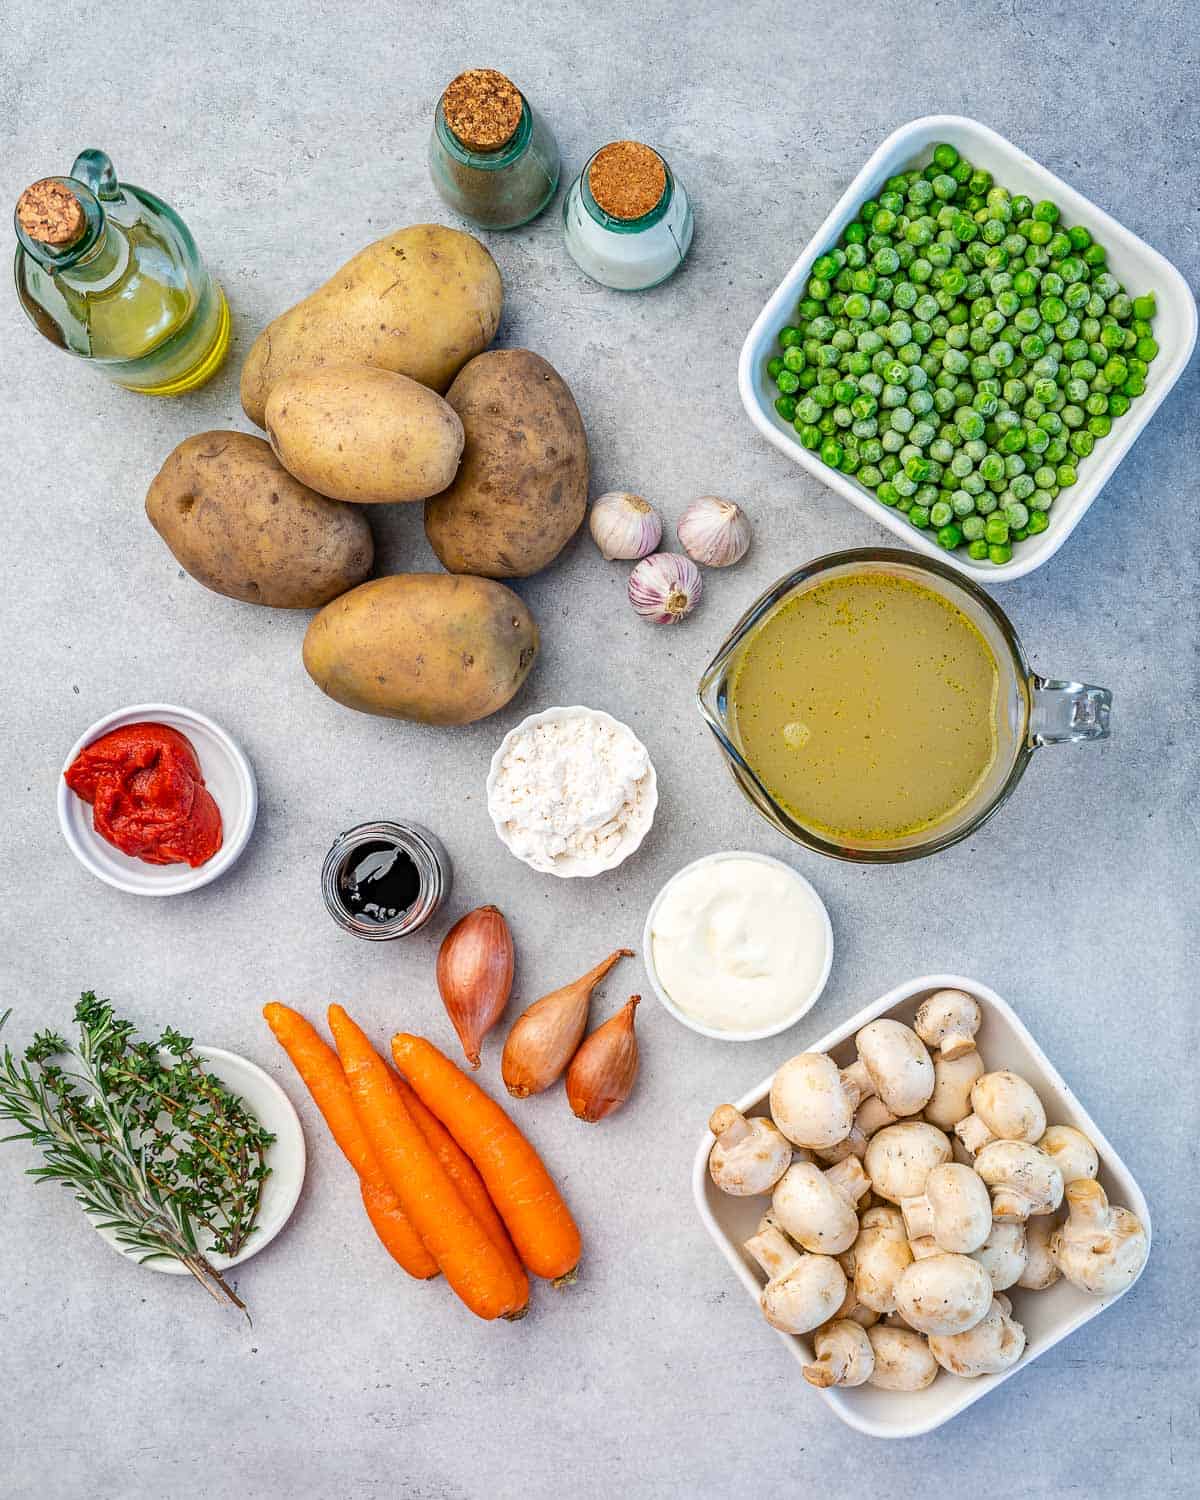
(603, 1071)
(547, 1035)
(475, 974)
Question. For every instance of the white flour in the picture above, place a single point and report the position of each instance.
(570, 789)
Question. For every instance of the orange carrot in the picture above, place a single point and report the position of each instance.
(540, 1223)
(471, 1263)
(461, 1171)
(318, 1066)
(388, 1221)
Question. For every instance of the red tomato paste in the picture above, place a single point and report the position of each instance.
(148, 795)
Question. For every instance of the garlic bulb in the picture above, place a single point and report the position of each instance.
(714, 532)
(664, 588)
(624, 525)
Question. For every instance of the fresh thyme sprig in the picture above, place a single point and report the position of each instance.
(156, 1150)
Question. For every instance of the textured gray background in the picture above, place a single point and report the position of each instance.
(288, 138)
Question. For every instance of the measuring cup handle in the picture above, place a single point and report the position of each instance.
(1064, 712)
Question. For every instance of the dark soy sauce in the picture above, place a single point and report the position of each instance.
(378, 882)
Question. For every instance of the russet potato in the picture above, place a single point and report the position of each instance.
(521, 490)
(364, 435)
(432, 647)
(241, 525)
(421, 301)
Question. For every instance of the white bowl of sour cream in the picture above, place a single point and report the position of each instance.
(738, 946)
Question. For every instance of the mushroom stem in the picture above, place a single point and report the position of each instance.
(772, 1249)
(729, 1125)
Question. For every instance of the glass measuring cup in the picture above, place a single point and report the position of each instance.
(1032, 711)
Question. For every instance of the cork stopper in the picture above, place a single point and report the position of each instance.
(50, 213)
(627, 179)
(482, 109)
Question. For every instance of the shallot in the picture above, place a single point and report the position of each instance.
(603, 1071)
(475, 975)
(545, 1038)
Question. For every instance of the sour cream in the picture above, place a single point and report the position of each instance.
(739, 944)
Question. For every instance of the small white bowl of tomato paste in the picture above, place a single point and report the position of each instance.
(187, 806)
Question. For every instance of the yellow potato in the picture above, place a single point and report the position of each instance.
(426, 646)
(241, 525)
(421, 302)
(364, 435)
(521, 491)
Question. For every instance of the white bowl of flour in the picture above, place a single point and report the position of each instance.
(571, 791)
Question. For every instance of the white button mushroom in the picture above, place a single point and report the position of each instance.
(749, 1155)
(813, 1100)
(1071, 1151)
(1005, 1109)
(1003, 1254)
(948, 1020)
(893, 1063)
(804, 1290)
(881, 1255)
(944, 1293)
(844, 1356)
(1039, 1271)
(1100, 1249)
(1023, 1179)
(817, 1209)
(954, 1208)
(995, 1343)
(902, 1359)
(900, 1157)
(953, 1080)
(870, 1116)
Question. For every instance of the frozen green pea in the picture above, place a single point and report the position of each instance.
(972, 527)
(1016, 515)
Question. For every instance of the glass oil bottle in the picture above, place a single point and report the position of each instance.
(110, 273)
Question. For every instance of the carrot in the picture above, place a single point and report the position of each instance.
(470, 1262)
(318, 1066)
(540, 1223)
(461, 1171)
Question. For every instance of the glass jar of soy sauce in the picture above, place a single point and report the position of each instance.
(385, 880)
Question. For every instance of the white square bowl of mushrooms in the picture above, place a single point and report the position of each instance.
(920, 1205)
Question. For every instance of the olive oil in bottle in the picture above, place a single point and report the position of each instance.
(110, 273)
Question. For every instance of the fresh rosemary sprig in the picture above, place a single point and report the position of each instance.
(156, 1150)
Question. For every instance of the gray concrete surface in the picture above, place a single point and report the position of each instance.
(288, 137)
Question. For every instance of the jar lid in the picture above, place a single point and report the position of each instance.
(50, 213)
(482, 109)
(627, 179)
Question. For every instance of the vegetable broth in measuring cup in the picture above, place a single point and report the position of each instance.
(868, 707)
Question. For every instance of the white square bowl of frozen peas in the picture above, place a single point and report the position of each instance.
(1140, 271)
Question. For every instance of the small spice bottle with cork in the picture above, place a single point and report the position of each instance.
(491, 155)
(627, 220)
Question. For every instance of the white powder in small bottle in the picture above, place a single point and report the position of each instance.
(571, 789)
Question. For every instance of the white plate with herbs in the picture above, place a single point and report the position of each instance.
(285, 1159)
